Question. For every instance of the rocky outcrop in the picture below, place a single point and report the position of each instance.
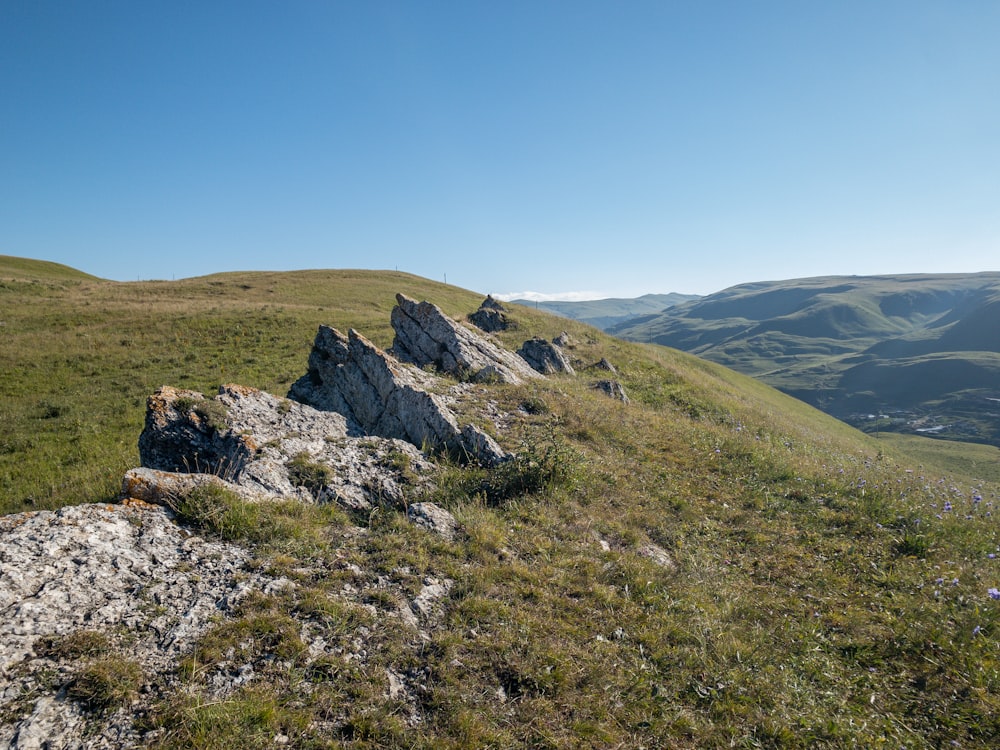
(378, 395)
(491, 316)
(603, 364)
(118, 579)
(268, 447)
(612, 388)
(426, 336)
(545, 357)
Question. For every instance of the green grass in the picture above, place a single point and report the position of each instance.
(823, 590)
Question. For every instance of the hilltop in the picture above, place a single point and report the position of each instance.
(920, 351)
(711, 563)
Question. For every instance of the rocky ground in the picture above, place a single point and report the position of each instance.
(100, 602)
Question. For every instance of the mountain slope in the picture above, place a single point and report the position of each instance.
(713, 564)
(605, 313)
(924, 349)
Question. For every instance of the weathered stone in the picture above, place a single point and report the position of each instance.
(562, 340)
(612, 388)
(656, 554)
(544, 357)
(381, 396)
(426, 336)
(491, 316)
(266, 447)
(603, 364)
(433, 518)
(122, 571)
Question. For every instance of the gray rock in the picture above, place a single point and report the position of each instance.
(264, 447)
(491, 316)
(612, 388)
(121, 570)
(562, 340)
(603, 364)
(426, 336)
(381, 396)
(433, 518)
(544, 357)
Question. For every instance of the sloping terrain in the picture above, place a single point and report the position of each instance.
(922, 350)
(606, 313)
(711, 564)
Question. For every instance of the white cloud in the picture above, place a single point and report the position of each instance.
(557, 297)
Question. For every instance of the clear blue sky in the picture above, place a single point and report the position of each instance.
(614, 148)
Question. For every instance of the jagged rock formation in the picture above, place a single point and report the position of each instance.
(271, 447)
(115, 575)
(603, 364)
(545, 357)
(491, 316)
(612, 388)
(380, 396)
(426, 336)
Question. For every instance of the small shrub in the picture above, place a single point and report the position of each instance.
(220, 511)
(73, 645)
(304, 472)
(533, 469)
(212, 413)
(107, 683)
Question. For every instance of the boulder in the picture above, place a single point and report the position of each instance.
(426, 336)
(434, 518)
(612, 388)
(265, 447)
(603, 364)
(378, 395)
(491, 316)
(544, 357)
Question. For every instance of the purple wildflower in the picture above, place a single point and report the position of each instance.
(994, 593)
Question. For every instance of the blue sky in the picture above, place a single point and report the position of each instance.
(604, 148)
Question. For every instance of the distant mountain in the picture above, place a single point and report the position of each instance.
(922, 351)
(605, 313)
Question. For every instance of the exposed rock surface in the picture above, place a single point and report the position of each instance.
(612, 388)
(426, 336)
(545, 357)
(271, 447)
(491, 316)
(381, 396)
(122, 571)
(433, 518)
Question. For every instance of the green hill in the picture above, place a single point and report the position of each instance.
(714, 564)
(606, 313)
(923, 350)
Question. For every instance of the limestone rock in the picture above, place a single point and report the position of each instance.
(491, 316)
(656, 554)
(266, 447)
(433, 518)
(544, 357)
(381, 396)
(121, 571)
(426, 336)
(612, 388)
(562, 340)
(603, 364)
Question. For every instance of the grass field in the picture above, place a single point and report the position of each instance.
(817, 587)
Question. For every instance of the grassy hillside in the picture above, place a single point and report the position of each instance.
(606, 313)
(923, 349)
(712, 565)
